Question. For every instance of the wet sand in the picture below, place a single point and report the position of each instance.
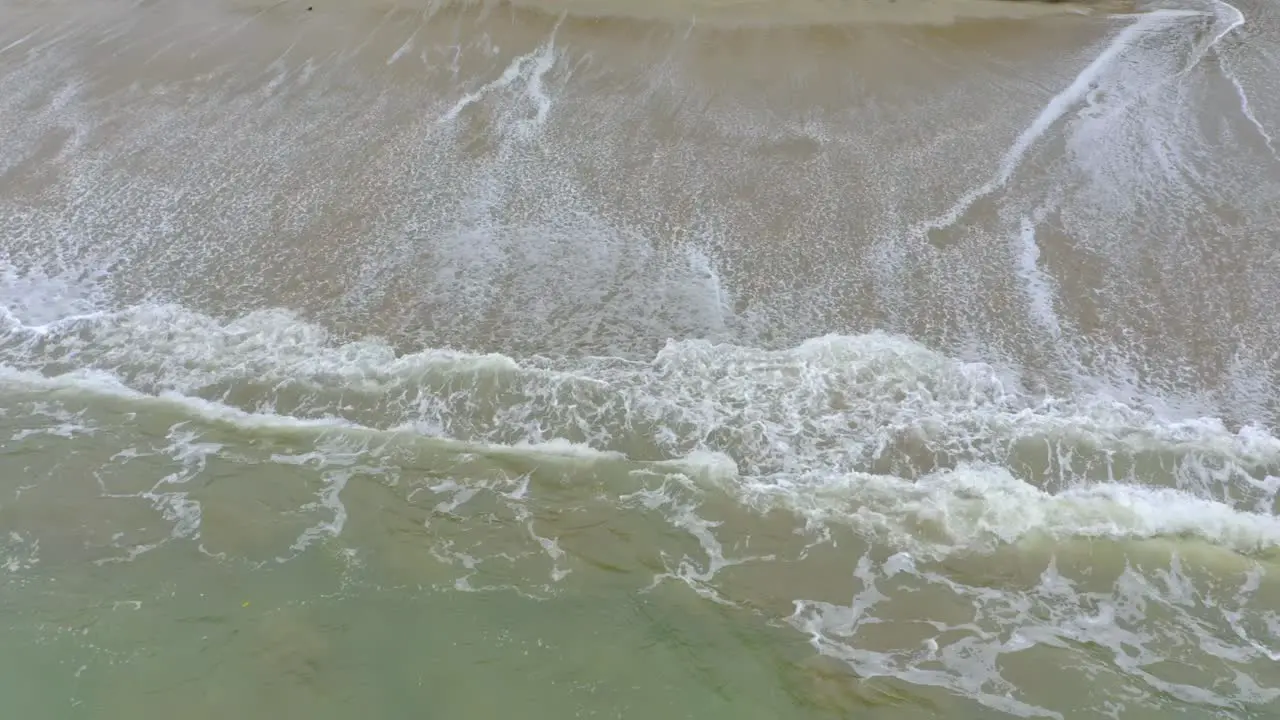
(251, 141)
(886, 358)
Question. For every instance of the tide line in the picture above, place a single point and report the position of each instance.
(1052, 112)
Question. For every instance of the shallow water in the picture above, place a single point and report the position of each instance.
(598, 358)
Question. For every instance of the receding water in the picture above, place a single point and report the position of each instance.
(603, 358)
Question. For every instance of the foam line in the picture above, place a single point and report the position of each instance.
(1036, 283)
(542, 63)
(1052, 112)
(1247, 109)
(404, 48)
(103, 384)
(1234, 20)
(542, 57)
(18, 42)
(982, 507)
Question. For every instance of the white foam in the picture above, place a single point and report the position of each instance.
(804, 424)
(1037, 284)
(704, 464)
(543, 62)
(673, 497)
(978, 505)
(1133, 624)
(1227, 18)
(1053, 111)
(796, 428)
(39, 302)
(718, 300)
(19, 553)
(404, 48)
(331, 500)
(18, 42)
(982, 507)
(102, 383)
(1246, 108)
(540, 59)
(562, 448)
(972, 672)
(105, 384)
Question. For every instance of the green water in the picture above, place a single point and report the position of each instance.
(589, 359)
(412, 612)
(165, 559)
(320, 640)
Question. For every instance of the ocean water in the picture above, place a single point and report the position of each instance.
(604, 358)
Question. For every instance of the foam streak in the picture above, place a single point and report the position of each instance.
(18, 42)
(1227, 19)
(542, 57)
(1052, 112)
(1037, 284)
(1246, 108)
